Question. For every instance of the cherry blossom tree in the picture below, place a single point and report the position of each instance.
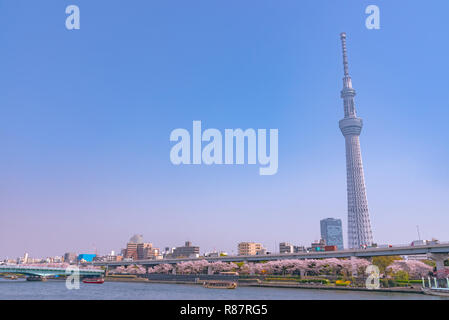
(140, 269)
(118, 270)
(246, 268)
(192, 267)
(416, 269)
(310, 267)
(220, 266)
(131, 269)
(161, 268)
(444, 273)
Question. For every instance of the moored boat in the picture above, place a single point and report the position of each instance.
(211, 284)
(36, 278)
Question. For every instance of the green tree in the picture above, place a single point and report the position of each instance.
(430, 263)
(384, 261)
(401, 275)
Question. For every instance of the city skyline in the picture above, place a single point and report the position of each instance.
(86, 119)
(327, 232)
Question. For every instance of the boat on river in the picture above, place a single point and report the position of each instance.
(36, 278)
(216, 284)
(93, 280)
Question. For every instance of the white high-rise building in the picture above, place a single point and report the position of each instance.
(359, 225)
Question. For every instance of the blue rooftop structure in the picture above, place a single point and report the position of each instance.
(86, 257)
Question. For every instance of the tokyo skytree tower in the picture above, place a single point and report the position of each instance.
(359, 225)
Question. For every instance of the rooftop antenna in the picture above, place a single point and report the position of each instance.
(419, 236)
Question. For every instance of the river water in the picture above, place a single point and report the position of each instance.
(19, 289)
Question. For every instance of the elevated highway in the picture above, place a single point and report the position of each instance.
(437, 252)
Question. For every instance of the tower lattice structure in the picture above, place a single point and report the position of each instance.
(359, 225)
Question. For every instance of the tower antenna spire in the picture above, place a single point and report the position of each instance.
(345, 53)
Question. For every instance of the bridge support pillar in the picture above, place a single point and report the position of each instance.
(173, 271)
(353, 267)
(439, 259)
(251, 272)
(146, 269)
(210, 270)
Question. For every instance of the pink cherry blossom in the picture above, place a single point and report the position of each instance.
(415, 268)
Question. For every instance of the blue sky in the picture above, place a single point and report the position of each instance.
(86, 115)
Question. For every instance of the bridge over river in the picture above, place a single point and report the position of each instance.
(48, 271)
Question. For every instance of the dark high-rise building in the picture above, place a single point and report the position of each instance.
(332, 232)
(70, 257)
